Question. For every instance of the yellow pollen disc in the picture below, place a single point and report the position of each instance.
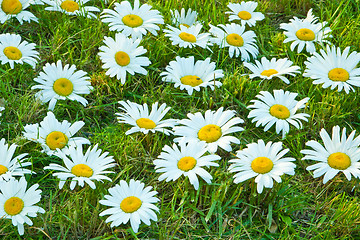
(145, 123)
(63, 87)
(82, 170)
(279, 111)
(235, 40)
(269, 72)
(11, 6)
(122, 58)
(3, 169)
(184, 24)
(186, 163)
(69, 6)
(12, 53)
(13, 206)
(338, 74)
(244, 15)
(339, 161)
(130, 204)
(262, 165)
(56, 140)
(187, 37)
(305, 34)
(132, 20)
(209, 133)
(191, 80)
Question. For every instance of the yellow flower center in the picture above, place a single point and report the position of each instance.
(209, 133)
(13, 206)
(262, 165)
(187, 37)
(279, 111)
(235, 39)
(56, 140)
(338, 74)
(69, 6)
(82, 170)
(11, 6)
(130, 204)
(63, 87)
(145, 123)
(3, 169)
(132, 20)
(305, 34)
(269, 72)
(244, 15)
(122, 58)
(12, 53)
(184, 24)
(191, 80)
(186, 163)
(339, 161)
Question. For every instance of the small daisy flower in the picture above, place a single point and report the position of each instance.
(130, 202)
(244, 12)
(61, 83)
(17, 203)
(13, 50)
(184, 18)
(72, 7)
(52, 134)
(16, 9)
(340, 154)
(188, 37)
(142, 121)
(122, 55)
(334, 69)
(274, 68)
(280, 109)
(212, 129)
(190, 75)
(239, 41)
(132, 21)
(265, 162)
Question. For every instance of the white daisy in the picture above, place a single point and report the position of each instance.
(52, 134)
(340, 154)
(17, 203)
(72, 7)
(188, 37)
(132, 21)
(334, 69)
(279, 109)
(142, 121)
(61, 83)
(212, 129)
(13, 50)
(265, 162)
(190, 75)
(274, 68)
(122, 55)
(244, 12)
(184, 18)
(16, 9)
(239, 41)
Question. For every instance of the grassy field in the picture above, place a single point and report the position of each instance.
(301, 207)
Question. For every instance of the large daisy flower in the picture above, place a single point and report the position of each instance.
(280, 109)
(52, 134)
(13, 50)
(16, 9)
(239, 41)
(265, 162)
(184, 18)
(130, 202)
(244, 12)
(334, 69)
(122, 55)
(17, 203)
(132, 21)
(60, 83)
(340, 154)
(72, 7)
(142, 121)
(188, 37)
(212, 129)
(190, 75)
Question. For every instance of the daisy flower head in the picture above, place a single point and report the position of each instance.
(52, 134)
(13, 50)
(234, 37)
(133, 21)
(17, 202)
(280, 109)
(60, 83)
(123, 55)
(130, 202)
(265, 162)
(72, 7)
(334, 68)
(245, 12)
(337, 154)
(184, 18)
(213, 129)
(16, 9)
(188, 37)
(142, 121)
(190, 75)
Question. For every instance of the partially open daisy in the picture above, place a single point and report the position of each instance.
(132, 21)
(52, 134)
(274, 68)
(122, 55)
(142, 121)
(239, 41)
(190, 75)
(265, 162)
(280, 109)
(72, 7)
(16, 9)
(184, 18)
(17, 203)
(61, 83)
(130, 202)
(337, 154)
(245, 13)
(334, 69)
(212, 129)
(13, 50)
(188, 37)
